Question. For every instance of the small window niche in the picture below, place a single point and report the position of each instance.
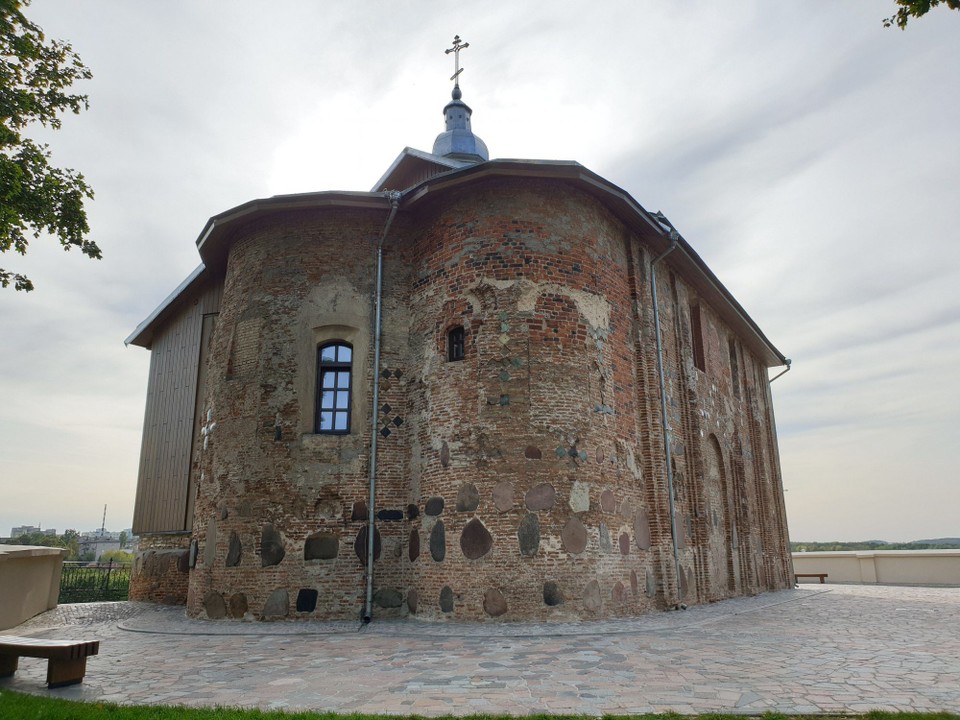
(734, 369)
(455, 344)
(696, 333)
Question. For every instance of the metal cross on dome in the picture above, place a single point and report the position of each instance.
(457, 47)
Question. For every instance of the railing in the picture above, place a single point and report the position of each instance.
(83, 582)
(882, 567)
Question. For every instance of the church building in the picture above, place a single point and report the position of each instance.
(484, 389)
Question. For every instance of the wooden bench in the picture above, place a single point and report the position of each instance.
(66, 659)
(797, 576)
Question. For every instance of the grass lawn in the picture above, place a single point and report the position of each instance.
(31, 707)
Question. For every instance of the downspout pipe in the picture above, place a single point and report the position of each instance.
(667, 452)
(789, 364)
(394, 197)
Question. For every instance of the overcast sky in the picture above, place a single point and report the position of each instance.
(810, 156)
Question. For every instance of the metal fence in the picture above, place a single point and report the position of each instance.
(83, 582)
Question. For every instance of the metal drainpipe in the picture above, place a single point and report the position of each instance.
(674, 238)
(394, 198)
(788, 362)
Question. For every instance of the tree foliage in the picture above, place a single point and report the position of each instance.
(915, 8)
(69, 540)
(117, 556)
(35, 80)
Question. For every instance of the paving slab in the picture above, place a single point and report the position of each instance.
(827, 649)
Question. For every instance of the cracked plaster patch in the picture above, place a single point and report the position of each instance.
(594, 308)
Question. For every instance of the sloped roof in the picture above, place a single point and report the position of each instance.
(412, 166)
(213, 243)
(143, 334)
(685, 259)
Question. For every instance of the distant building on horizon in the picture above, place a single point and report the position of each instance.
(110, 535)
(31, 530)
(547, 406)
(99, 546)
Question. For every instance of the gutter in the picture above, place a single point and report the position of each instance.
(789, 363)
(394, 197)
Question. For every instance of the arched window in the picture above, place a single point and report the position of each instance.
(334, 388)
(455, 341)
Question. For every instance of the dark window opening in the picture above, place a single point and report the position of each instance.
(334, 388)
(696, 332)
(455, 344)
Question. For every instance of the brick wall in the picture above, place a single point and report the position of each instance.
(160, 569)
(539, 419)
(525, 481)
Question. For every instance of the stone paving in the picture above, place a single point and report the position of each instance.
(810, 650)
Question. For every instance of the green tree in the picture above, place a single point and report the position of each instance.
(71, 541)
(35, 80)
(123, 539)
(118, 556)
(914, 9)
(38, 539)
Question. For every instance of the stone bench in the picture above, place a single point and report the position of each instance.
(797, 576)
(66, 659)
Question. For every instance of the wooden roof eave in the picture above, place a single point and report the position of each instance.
(214, 240)
(412, 157)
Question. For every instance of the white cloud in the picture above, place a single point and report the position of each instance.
(809, 155)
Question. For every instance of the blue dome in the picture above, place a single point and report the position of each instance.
(459, 141)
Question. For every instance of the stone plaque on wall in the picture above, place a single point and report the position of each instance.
(641, 529)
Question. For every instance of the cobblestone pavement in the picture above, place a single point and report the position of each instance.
(814, 649)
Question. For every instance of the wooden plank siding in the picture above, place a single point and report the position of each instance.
(206, 338)
(163, 501)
